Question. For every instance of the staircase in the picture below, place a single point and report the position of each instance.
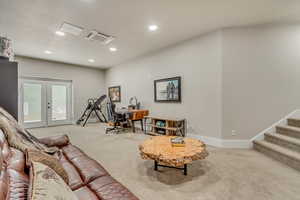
(284, 145)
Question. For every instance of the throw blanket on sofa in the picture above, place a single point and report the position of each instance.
(18, 137)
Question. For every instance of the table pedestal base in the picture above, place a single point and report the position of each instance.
(184, 168)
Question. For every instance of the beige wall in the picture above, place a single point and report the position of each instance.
(198, 62)
(87, 82)
(261, 77)
(241, 79)
(253, 71)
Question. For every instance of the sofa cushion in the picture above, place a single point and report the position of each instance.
(16, 160)
(72, 151)
(55, 141)
(75, 180)
(107, 188)
(46, 184)
(13, 184)
(85, 193)
(18, 184)
(13, 179)
(88, 168)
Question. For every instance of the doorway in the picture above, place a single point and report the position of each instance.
(45, 102)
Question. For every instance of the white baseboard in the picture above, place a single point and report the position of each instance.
(216, 142)
(240, 144)
(245, 144)
(222, 143)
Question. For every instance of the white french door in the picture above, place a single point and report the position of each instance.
(45, 103)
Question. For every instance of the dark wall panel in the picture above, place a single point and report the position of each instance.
(9, 87)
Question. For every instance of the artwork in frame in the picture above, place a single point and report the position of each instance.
(167, 90)
(115, 93)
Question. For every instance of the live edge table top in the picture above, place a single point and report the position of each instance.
(160, 149)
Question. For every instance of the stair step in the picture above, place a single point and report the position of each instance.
(284, 155)
(284, 141)
(293, 122)
(289, 131)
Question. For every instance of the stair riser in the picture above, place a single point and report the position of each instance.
(292, 122)
(282, 143)
(278, 156)
(288, 132)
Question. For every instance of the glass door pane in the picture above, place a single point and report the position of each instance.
(59, 102)
(32, 102)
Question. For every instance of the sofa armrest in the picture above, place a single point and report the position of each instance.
(55, 141)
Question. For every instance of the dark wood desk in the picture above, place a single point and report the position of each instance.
(138, 115)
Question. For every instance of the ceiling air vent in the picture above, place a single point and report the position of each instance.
(71, 29)
(100, 37)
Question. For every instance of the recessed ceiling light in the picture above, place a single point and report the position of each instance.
(113, 49)
(153, 27)
(91, 60)
(60, 33)
(48, 52)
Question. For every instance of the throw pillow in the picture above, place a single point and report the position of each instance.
(45, 184)
(18, 137)
(46, 159)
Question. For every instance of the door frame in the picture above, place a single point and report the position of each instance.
(45, 97)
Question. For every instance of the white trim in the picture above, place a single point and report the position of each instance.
(260, 136)
(240, 144)
(245, 144)
(217, 142)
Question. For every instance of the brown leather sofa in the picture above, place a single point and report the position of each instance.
(87, 178)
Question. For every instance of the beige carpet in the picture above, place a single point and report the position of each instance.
(227, 174)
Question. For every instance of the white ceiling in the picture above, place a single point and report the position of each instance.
(32, 24)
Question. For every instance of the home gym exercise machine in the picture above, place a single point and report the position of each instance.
(94, 105)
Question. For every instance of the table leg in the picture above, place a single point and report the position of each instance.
(155, 165)
(185, 170)
(133, 127)
(142, 125)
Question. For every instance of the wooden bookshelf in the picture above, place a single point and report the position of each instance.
(165, 126)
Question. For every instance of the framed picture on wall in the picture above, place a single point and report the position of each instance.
(168, 90)
(115, 93)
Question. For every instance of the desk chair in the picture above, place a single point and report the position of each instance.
(115, 119)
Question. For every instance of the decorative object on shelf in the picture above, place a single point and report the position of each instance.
(164, 126)
(134, 104)
(6, 50)
(160, 150)
(167, 90)
(115, 93)
(160, 124)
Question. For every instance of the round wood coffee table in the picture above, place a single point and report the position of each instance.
(160, 149)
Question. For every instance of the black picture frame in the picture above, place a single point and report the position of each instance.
(115, 89)
(177, 80)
